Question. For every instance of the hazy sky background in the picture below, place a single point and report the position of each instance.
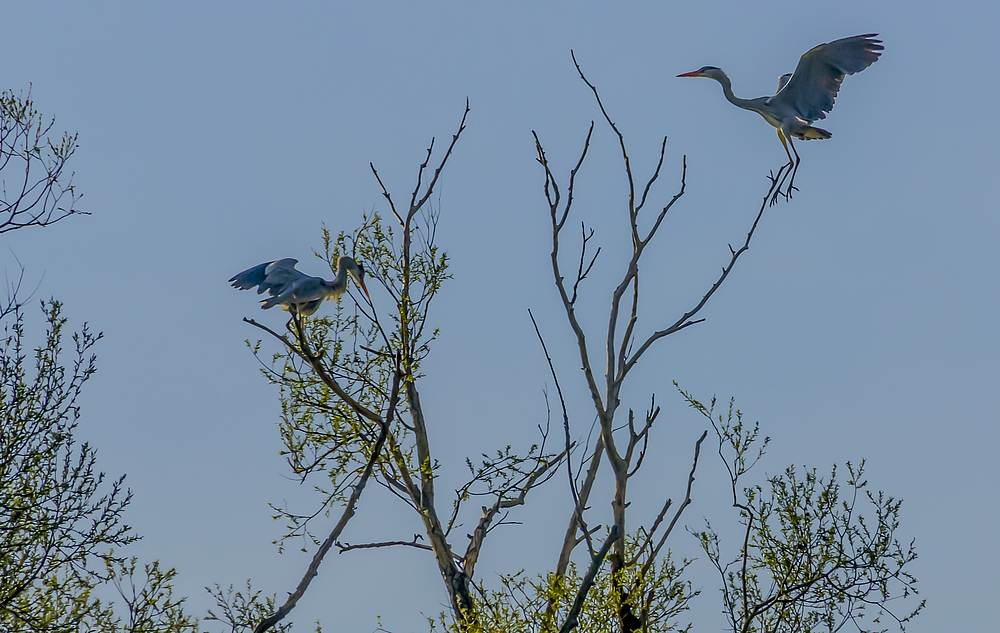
(214, 136)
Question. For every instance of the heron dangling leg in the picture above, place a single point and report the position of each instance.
(791, 181)
(790, 165)
(799, 129)
(291, 319)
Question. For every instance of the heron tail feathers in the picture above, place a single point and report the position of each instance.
(270, 302)
(808, 133)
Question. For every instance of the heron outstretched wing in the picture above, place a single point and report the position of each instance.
(782, 80)
(295, 291)
(279, 275)
(282, 264)
(250, 277)
(811, 91)
(274, 277)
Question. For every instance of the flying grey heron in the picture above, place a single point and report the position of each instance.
(805, 95)
(295, 291)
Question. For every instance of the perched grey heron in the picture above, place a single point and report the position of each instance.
(805, 95)
(295, 291)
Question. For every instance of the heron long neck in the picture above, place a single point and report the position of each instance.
(337, 287)
(341, 280)
(727, 89)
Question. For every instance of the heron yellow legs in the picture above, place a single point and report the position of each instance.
(792, 166)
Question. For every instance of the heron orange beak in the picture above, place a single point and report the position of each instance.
(361, 282)
(693, 73)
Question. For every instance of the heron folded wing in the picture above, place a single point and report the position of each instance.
(303, 291)
(278, 280)
(814, 85)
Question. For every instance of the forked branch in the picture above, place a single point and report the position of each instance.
(687, 319)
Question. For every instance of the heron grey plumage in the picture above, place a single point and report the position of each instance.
(807, 94)
(295, 291)
(782, 80)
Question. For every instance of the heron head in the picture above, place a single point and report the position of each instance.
(356, 270)
(705, 71)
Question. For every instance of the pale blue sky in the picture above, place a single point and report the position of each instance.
(214, 136)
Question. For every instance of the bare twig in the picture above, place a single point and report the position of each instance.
(414, 203)
(582, 273)
(578, 509)
(386, 194)
(346, 547)
(680, 509)
(647, 541)
(621, 142)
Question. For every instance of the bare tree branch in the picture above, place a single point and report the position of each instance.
(303, 352)
(346, 547)
(685, 320)
(346, 516)
(34, 190)
(414, 203)
(578, 509)
(680, 509)
(581, 273)
(573, 616)
(557, 224)
(504, 502)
